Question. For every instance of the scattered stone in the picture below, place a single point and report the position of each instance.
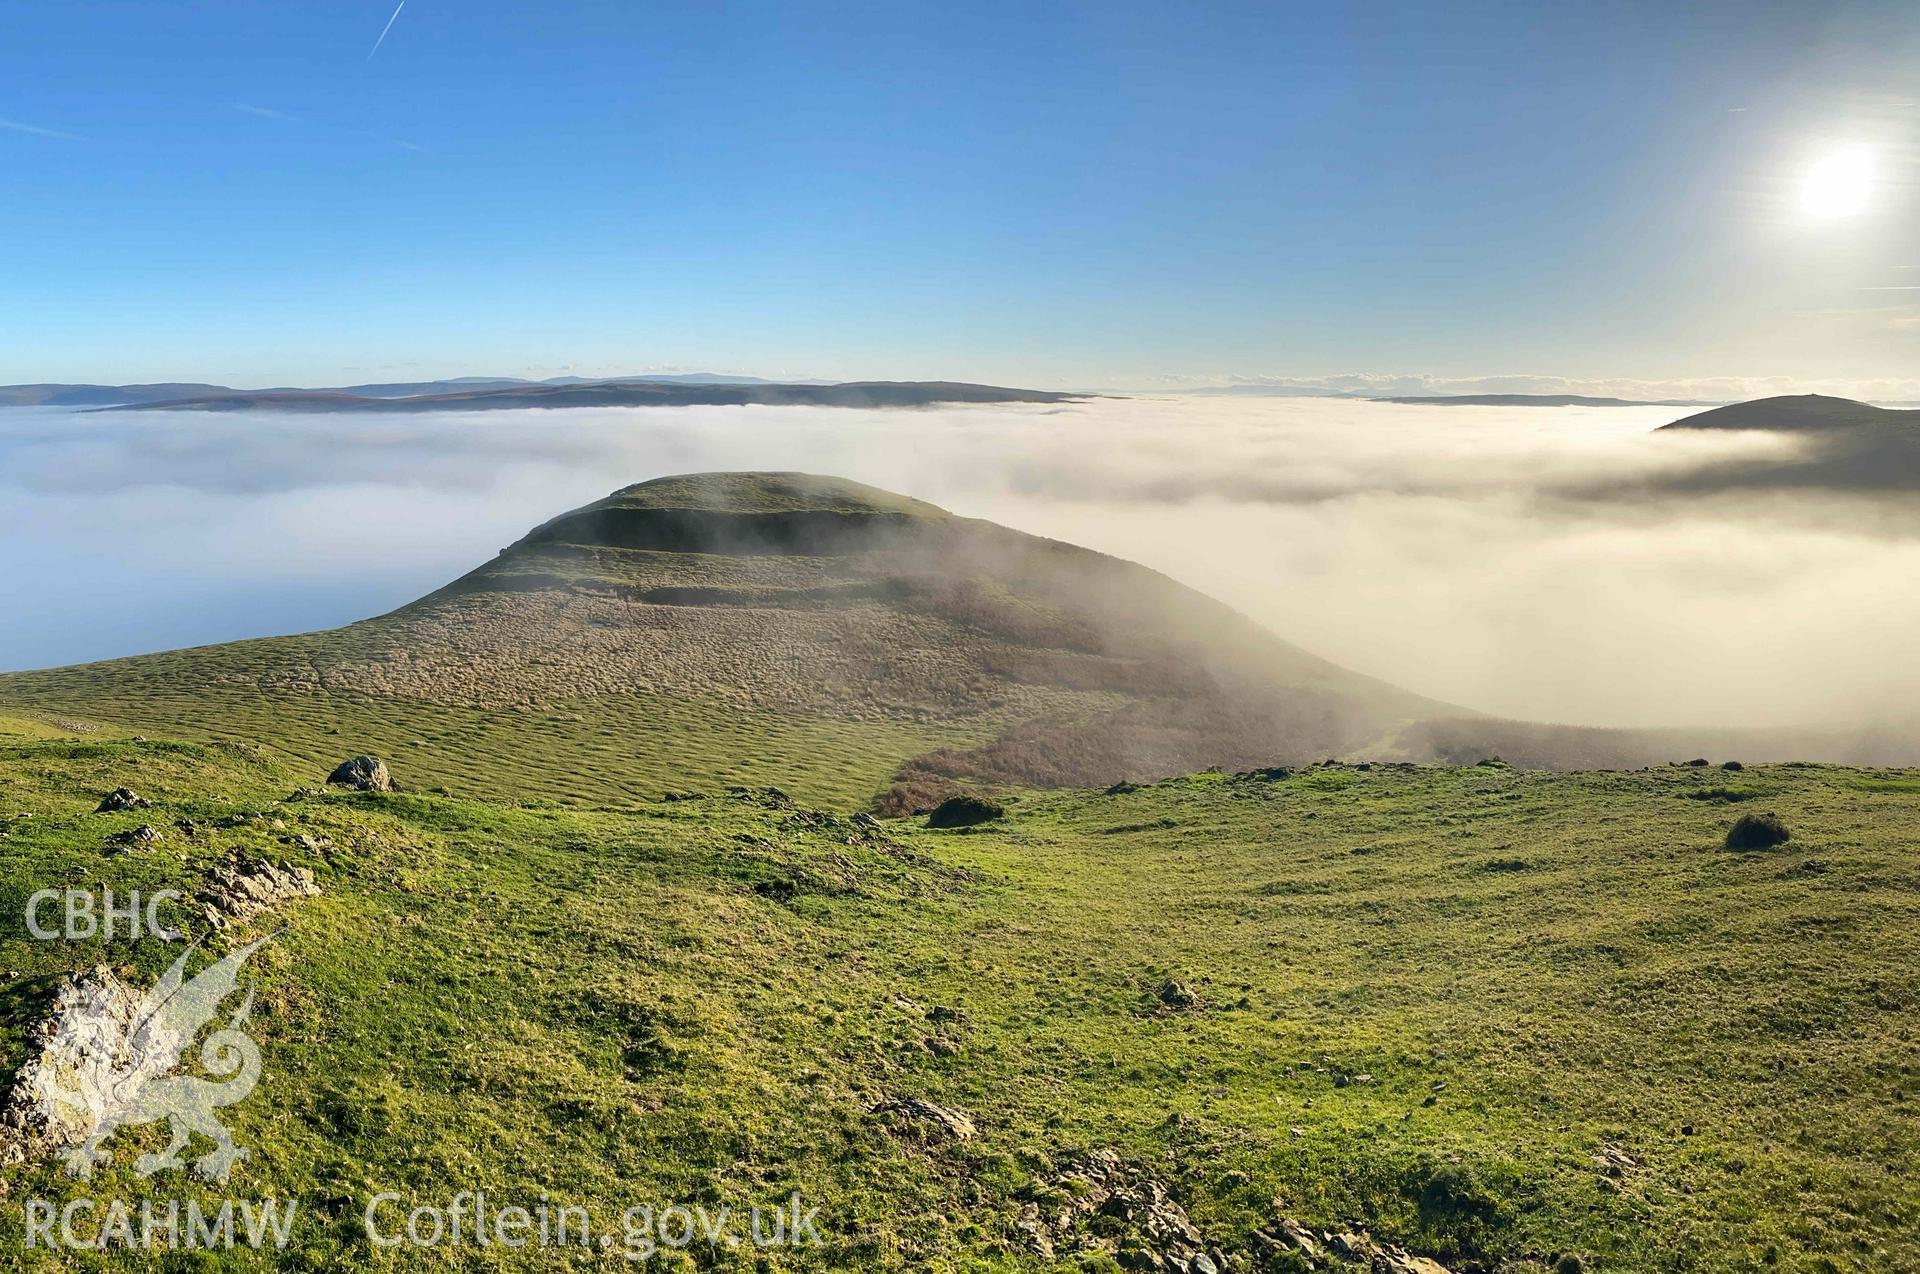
(684, 796)
(306, 794)
(1614, 1161)
(1732, 765)
(1122, 788)
(1298, 1238)
(811, 820)
(1354, 1245)
(1179, 997)
(951, 1120)
(242, 888)
(965, 811)
(1097, 1204)
(1698, 763)
(310, 844)
(771, 797)
(122, 798)
(1757, 831)
(1287, 1236)
(866, 822)
(143, 837)
(363, 774)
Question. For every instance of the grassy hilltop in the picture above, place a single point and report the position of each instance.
(1490, 1016)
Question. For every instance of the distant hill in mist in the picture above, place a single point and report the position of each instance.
(51, 395)
(1838, 445)
(89, 395)
(1799, 412)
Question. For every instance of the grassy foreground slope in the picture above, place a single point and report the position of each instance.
(1493, 1016)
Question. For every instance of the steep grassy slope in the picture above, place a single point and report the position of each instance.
(761, 628)
(1490, 1015)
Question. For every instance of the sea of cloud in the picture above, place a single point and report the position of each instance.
(1564, 564)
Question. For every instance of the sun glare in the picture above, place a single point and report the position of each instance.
(1838, 183)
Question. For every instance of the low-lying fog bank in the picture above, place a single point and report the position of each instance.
(1550, 563)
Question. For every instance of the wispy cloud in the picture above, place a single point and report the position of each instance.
(263, 112)
(283, 117)
(383, 30)
(34, 130)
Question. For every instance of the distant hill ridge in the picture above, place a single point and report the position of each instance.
(88, 395)
(482, 394)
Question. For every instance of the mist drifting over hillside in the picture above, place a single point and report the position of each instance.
(1552, 564)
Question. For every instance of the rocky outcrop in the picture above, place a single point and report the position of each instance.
(925, 1115)
(74, 1052)
(1097, 1203)
(121, 799)
(1330, 1247)
(1176, 996)
(142, 838)
(242, 888)
(363, 774)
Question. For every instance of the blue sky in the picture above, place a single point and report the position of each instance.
(1052, 194)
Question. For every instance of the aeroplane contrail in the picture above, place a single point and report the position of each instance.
(383, 30)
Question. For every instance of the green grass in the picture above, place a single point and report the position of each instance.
(594, 752)
(599, 1005)
(1897, 786)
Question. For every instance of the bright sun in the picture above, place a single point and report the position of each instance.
(1838, 184)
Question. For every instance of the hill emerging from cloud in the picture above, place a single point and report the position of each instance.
(777, 628)
(1800, 412)
(1840, 445)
